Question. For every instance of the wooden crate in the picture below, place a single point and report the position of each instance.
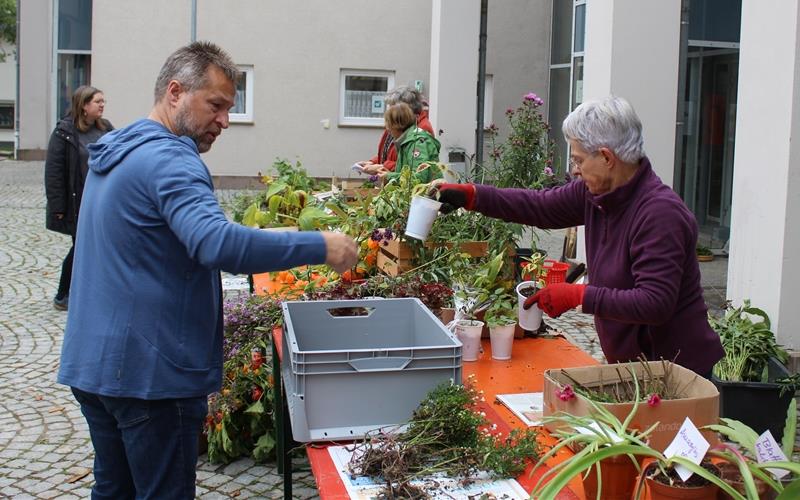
(397, 257)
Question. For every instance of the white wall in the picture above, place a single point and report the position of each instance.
(764, 262)
(632, 50)
(296, 49)
(455, 27)
(36, 41)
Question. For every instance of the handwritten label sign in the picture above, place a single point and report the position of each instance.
(690, 444)
(768, 450)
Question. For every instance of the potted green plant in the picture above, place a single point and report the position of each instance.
(533, 273)
(704, 254)
(747, 376)
(501, 318)
(741, 468)
(608, 453)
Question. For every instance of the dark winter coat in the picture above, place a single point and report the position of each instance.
(63, 176)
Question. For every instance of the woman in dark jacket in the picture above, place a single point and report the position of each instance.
(65, 171)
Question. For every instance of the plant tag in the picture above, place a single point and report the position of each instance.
(690, 444)
(594, 429)
(768, 450)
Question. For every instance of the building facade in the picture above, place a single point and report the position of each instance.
(714, 81)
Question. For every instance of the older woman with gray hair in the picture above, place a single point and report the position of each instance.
(384, 162)
(644, 289)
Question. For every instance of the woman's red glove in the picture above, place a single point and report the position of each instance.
(454, 196)
(557, 298)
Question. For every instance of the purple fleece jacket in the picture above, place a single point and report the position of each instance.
(645, 290)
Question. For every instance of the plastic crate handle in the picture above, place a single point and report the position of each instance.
(383, 364)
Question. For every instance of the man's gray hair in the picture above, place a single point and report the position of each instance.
(189, 65)
(408, 95)
(606, 123)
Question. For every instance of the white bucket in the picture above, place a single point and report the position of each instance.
(502, 339)
(531, 319)
(469, 333)
(421, 216)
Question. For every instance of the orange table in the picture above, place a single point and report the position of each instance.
(522, 373)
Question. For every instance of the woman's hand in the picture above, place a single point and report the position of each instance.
(372, 168)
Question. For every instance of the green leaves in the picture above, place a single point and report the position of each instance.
(748, 344)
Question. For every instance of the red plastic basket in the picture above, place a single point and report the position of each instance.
(556, 271)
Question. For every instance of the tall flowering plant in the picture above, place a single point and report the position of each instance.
(525, 159)
(240, 416)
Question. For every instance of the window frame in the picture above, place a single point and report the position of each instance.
(354, 121)
(248, 115)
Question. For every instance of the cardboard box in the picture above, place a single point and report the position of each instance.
(698, 398)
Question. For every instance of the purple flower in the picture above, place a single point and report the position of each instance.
(566, 393)
(548, 171)
(373, 178)
(509, 111)
(530, 96)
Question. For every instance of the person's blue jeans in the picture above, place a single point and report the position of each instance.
(143, 448)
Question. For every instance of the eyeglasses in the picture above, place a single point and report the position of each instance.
(577, 162)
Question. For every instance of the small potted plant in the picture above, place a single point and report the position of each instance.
(533, 272)
(608, 452)
(501, 317)
(747, 376)
(704, 254)
(741, 469)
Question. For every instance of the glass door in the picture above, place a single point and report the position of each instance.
(706, 173)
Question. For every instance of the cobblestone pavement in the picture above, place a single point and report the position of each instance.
(45, 451)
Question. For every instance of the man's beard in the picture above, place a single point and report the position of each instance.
(185, 128)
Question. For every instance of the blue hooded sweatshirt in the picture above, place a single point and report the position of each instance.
(145, 311)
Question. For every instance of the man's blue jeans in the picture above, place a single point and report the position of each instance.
(143, 448)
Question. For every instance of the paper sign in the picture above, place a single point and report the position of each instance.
(594, 429)
(768, 450)
(690, 444)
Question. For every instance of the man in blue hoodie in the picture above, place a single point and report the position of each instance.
(143, 343)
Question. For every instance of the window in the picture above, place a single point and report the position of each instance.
(242, 110)
(361, 96)
(73, 51)
(6, 115)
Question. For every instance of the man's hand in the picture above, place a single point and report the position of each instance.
(341, 251)
(557, 298)
(454, 196)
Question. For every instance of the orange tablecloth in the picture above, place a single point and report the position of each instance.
(522, 373)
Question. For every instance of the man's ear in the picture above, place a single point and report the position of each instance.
(174, 91)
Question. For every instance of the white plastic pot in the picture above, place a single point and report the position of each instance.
(421, 216)
(469, 333)
(502, 339)
(530, 319)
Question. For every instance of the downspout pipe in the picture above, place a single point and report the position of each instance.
(194, 21)
(481, 85)
(16, 91)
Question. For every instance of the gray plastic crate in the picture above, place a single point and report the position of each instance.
(347, 375)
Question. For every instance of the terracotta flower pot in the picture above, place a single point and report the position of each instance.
(660, 491)
(730, 474)
(618, 475)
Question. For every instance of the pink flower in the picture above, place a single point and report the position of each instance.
(509, 111)
(548, 171)
(566, 393)
(654, 400)
(530, 96)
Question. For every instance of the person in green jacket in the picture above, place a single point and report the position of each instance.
(416, 149)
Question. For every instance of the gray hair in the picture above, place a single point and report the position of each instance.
(408, 95)
(609, 123)
(189, 65)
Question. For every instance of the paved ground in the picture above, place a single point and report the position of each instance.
(45, 450)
